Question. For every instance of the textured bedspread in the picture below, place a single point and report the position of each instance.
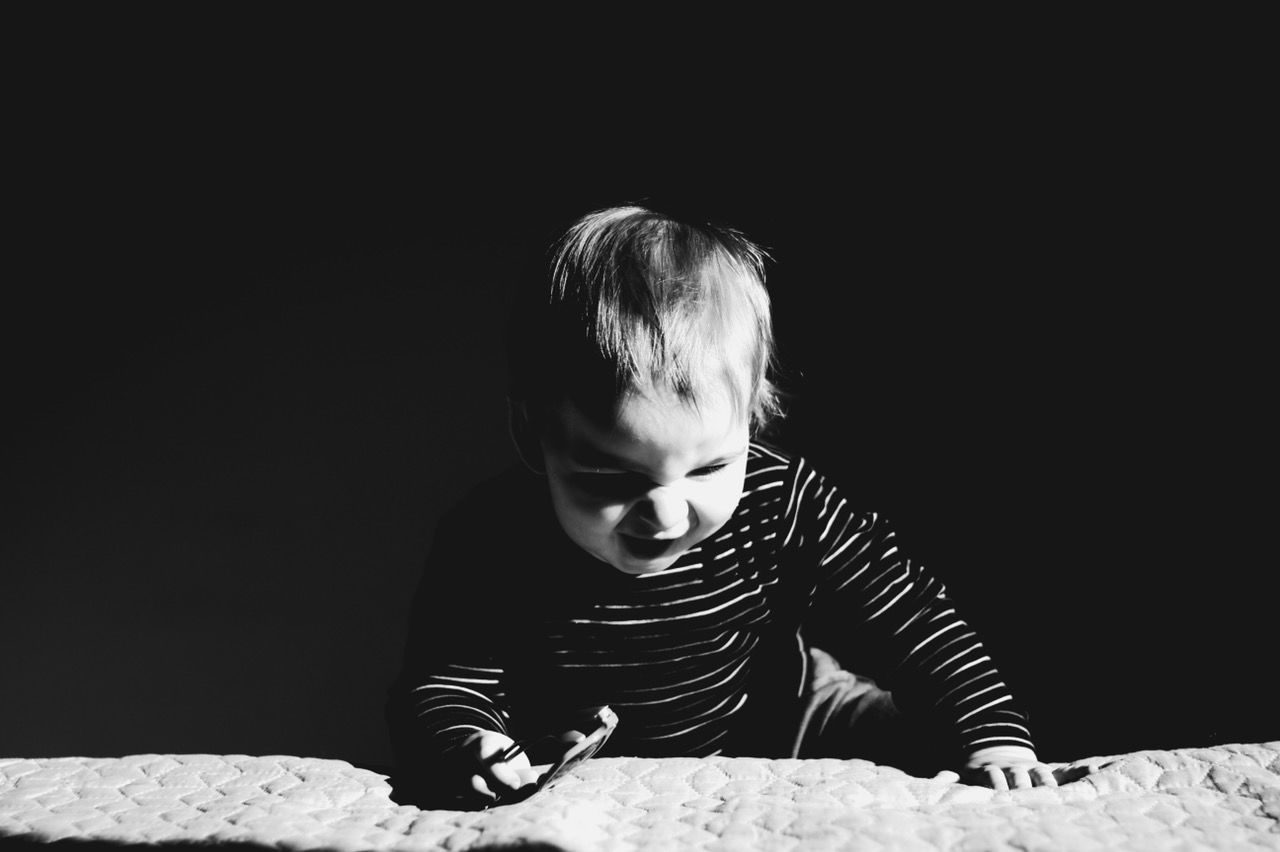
(1226, 797)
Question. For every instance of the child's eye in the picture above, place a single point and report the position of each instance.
(621, 484)
(610, 485)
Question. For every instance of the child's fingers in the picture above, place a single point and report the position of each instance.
(1067, 774)
(496, 765)
(482, 787)
(1019, 778)
(503, 765)
(508, 776)
(1043, 776)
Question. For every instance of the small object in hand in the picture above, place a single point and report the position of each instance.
(577, 751)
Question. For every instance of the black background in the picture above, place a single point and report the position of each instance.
(251, 350)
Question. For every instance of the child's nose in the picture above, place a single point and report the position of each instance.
(665, 509)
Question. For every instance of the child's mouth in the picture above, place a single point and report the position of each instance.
(646, 548)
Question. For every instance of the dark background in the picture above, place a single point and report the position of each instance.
(251, 350)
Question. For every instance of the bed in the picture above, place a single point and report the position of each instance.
(1224, 797)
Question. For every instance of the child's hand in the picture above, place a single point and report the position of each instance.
(1014, 768)
(491, 777)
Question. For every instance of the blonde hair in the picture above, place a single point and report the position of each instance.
(636, 299)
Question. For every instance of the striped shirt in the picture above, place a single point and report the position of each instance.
(515, 629)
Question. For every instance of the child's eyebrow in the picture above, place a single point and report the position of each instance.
(726, 457)
(593, 458)
(589, 456)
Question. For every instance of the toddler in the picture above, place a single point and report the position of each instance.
(655, 555)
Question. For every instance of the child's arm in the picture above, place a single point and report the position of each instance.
(920, 647)
(446, 711)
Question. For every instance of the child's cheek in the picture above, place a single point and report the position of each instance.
(595, 510)
(588, 503)
(720, 500)
(732, 487)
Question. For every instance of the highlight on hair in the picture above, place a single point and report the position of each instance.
(639, 300)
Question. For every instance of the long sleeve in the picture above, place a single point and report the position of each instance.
(452, 680)
(873, 606)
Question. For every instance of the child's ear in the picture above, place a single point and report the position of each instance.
(524, 435)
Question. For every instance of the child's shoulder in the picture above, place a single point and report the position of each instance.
(762, 454)
(772, 470)
(764, 457)
(772, 467)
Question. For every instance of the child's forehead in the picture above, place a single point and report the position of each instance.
(655, 416)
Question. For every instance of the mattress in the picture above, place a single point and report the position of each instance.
(1225, 797)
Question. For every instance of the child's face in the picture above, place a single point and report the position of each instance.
(662, 479)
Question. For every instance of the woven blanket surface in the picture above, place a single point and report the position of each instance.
(1226, 797)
